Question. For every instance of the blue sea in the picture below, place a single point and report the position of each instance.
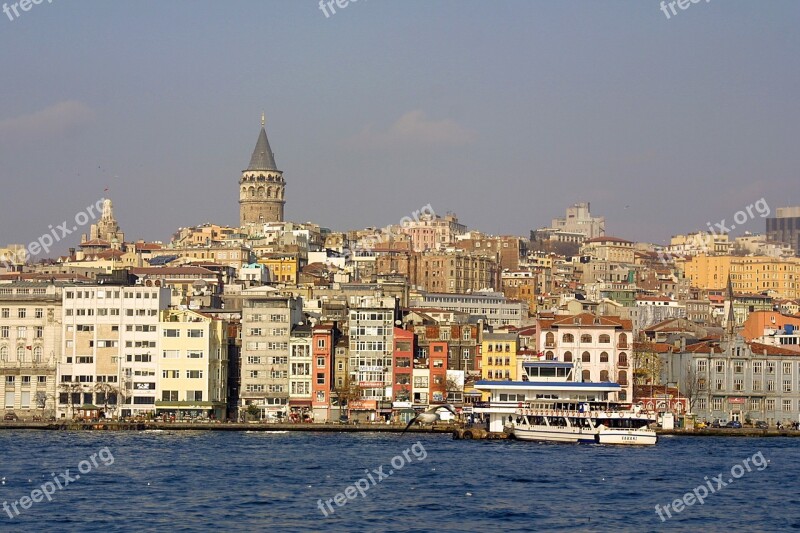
(220, 481)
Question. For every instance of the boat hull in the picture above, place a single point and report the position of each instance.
(626, 438)
(550, 434)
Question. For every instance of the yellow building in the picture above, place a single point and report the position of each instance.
(499, 356)
(779, 278)
(192, 365)
(283, 268)
(706, 272)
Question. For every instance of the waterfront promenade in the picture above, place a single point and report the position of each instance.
(337, 428)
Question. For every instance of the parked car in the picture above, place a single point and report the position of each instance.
(11, 416)
(735, 424)
(762, 425)
(719, 423)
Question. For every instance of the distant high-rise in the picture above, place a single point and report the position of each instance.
(579, 219)
(785, 227)
(261, 187)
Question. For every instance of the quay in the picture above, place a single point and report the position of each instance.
(74, 425)
(482, 434)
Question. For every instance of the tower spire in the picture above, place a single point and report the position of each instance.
(263, 119)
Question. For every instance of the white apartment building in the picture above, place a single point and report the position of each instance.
(110, 346)
(300, 371)
(30, 341)
(371, 335)
(599, 346)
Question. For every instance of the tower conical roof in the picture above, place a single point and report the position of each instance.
(263, 158)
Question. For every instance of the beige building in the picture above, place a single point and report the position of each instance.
(192, 369)
(609, 249)
(268, 316)
(30, 342)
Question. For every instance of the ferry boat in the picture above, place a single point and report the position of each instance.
(565, 421)
(550, 405)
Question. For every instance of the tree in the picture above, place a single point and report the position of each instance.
(350, 390)
(692, 385)
(254, 411)
(108, 391)
(71, 388)
(647, 365)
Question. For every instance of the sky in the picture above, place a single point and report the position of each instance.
(504, 112)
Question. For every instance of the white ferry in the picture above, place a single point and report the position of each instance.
(549, 405)
(564, 421)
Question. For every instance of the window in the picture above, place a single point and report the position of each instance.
(567, 357)
(586, 338)
(171, 354)
(604, 357)
(756, 385)
(586, 357)
(787, 385)
(194, 374)
(757, 367)
(787, 369)
(195, 333)
(787, 406)
(174, 333)
(604, 375)
(586, 375)
(320, 378)
(171, 374)
(320, 362)
(22, 312)
(604, 339)
(718, 384)
(770, 404)
(623, 340)
(169, 396)
(623, 359)
(716, 404)
(253, 360)
(194, 354)
(567, 338)
(738, 366)
(39, 313)
(4, 332)
(6, 313)
(738, 384)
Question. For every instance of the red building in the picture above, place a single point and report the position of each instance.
(403, 367)
(323, 341)
(438, 372)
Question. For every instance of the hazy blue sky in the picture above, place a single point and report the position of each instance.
(502, 111)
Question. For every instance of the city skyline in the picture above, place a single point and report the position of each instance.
(632, 101)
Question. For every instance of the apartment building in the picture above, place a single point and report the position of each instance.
(300, 373)
(600, 347)
(30, 344)
(268, 316)
(109, 356)
(371, 323)
(192, 369)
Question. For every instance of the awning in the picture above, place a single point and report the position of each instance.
(299, 403)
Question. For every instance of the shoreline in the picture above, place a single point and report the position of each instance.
(341, 428)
